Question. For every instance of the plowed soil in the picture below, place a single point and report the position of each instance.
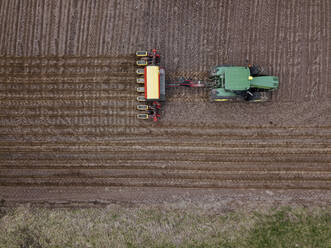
(68, 132)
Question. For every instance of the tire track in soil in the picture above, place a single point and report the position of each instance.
(57, 58)
(162, 183)
(166, 149)
(248, 166)
(15, 94)
(156, 132)
(142, 133)
(42, 80)
(229, 160)
(77, 74)
(169, 143)
(174, 175)
(252, 156)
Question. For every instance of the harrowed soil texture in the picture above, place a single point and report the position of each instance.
(68, 131)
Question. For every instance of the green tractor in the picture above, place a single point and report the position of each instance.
(238, 83)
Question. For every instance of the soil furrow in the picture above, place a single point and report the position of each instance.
(176, 175)
(216, 127)
(66, 74)
(226, 184)
(164, 144)
(240, 167)
(67, 57)
(142, 132)
(166, 149)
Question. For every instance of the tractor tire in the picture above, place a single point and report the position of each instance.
(227, 99)
(212, 71)
(224, 98)
(221, 99)
(221, 96)
(263, 96)
(256, 70)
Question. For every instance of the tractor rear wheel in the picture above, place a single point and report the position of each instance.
(260, 96)
(221, 95)
(215, 98)
(255, 70)
(212, 72)
(221, 99)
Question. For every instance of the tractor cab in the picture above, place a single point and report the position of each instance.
(237, 78)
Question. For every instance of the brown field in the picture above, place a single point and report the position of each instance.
(68, 132)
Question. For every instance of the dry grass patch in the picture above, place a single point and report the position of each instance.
(143, 226)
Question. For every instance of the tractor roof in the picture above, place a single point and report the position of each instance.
(237, 78)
